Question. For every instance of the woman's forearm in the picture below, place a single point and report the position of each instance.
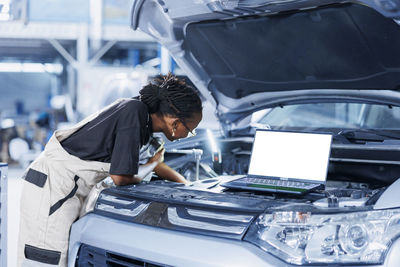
(166, 172)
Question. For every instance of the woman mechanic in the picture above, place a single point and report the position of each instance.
(106, 143)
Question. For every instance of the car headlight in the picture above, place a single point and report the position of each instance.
(90, 201)
(304, 238)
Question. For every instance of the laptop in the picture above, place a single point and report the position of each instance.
(286, 162)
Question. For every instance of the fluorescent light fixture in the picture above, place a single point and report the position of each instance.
(31, 67)
(10, 67)
(53, 68)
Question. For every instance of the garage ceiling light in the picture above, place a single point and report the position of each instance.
(31, 67)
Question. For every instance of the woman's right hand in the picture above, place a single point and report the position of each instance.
(158, 157)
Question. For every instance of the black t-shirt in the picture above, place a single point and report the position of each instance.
(115, 136)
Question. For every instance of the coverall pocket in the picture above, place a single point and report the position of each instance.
(42, 255)
(36, 177)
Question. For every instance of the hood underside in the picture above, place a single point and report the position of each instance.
(231, 56)
(349, 47)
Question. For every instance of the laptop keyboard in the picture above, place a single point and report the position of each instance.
(274, 182)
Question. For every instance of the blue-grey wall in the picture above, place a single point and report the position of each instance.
(33, 89)
(59, 10)
(114, 11)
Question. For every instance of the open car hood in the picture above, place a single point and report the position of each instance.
(245, 55)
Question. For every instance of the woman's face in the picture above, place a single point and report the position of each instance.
(183, 128)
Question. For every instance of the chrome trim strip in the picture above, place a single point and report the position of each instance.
(221, 216)
(126, 212)
(174, 219)
(116, 199)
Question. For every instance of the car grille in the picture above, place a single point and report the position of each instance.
(201, 219)
(90, 256)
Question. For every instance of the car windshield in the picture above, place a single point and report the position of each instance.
(331, 115)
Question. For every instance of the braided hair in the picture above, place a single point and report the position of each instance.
(168, 95)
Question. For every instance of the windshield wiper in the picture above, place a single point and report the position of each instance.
(365, 135)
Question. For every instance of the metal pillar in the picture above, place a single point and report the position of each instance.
(96, 23)
(82, 46)
(3, 213)
(166, 61)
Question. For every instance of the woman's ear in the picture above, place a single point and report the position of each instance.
(173, 123)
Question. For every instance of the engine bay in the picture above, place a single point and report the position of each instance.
(358, 174)
(375, 165)
(337, 194)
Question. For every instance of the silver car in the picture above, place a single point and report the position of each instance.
(304, 66)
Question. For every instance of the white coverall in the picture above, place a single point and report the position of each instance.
(54, 188)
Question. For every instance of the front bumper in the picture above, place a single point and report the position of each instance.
(172, 248)
(162, 246)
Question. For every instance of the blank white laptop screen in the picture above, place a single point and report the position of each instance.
(290, 155)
